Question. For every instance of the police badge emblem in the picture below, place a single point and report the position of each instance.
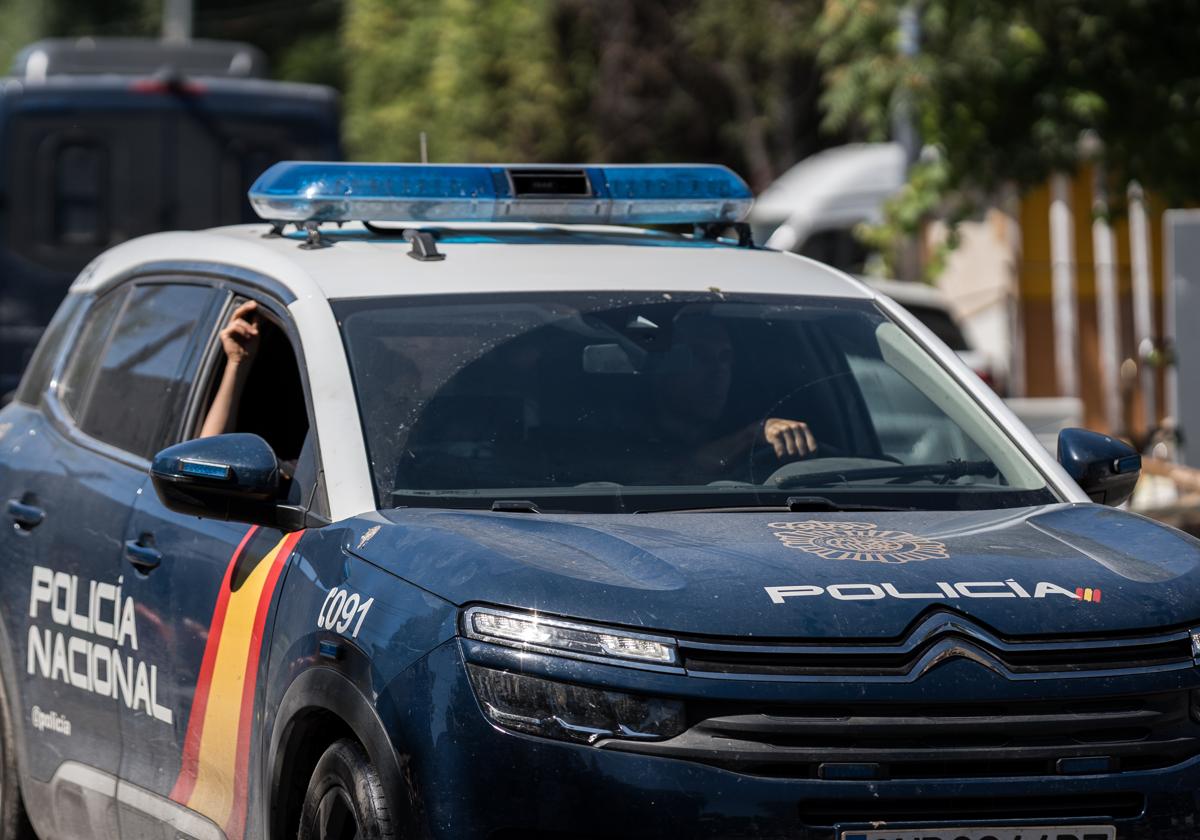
(861, 541)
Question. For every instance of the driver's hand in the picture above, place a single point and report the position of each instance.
(789, 437)
(239, 339)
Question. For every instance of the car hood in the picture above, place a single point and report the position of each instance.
(1060, 570)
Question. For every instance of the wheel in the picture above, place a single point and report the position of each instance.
(14, 823)
(345, 800)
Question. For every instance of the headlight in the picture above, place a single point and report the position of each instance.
(569, 712)
(1196, 646)
(530, 631)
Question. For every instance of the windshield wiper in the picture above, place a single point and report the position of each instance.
(800, 504)
(794, 504)
(514, 506)
(899, 474)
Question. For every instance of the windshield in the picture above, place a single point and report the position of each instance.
(633, 402)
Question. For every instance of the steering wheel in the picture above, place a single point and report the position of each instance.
(762, 458)
(762, 454)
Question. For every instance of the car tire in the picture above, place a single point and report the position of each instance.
(345, 799)
(14, 822)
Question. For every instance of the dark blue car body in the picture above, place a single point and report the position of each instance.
(835, 671)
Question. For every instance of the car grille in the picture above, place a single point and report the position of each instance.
(873, 740)
(881, 663)
(932, 640)
(895, 741)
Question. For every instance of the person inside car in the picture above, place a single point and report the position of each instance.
(692, 400)
(239, 340)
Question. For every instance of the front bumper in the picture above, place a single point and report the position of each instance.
(472, 780)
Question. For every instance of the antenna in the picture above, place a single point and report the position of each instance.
(177, 20)
(424, 148)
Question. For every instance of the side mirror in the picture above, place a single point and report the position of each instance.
(1105, 468)
(234, 476)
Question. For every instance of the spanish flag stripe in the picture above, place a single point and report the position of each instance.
(213, 775)
(186, 782)
(236, 825)
(216, 775)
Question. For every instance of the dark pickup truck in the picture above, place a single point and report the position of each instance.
(102, 140)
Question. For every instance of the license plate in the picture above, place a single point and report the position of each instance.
(1018, 832)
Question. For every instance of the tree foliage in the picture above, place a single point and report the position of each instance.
(552, 80)
(300, 37)
(478, 77)
(522, 80)
(1006, 89)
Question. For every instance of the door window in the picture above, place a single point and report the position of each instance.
(139, 381)
(265, 397)
(41, 366)
(77, 378)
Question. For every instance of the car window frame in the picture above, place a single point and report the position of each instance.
(273, 307)
(51, 347)
(187, 358)
(57, 411)
(947, 361)
(68, 355)
(983, 396)
(270, 293)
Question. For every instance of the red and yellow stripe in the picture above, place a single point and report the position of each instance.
(216, 750)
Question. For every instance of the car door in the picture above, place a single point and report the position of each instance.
(83, 650)
(215, 581)
(80, 494)
(32, 461)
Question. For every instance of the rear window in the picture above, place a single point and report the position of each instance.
(41, 366)
(139, 376)
(81, 365)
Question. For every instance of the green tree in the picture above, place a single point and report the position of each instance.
(480, 78)
(554, 80)
(1006, 88)
(22, 24)
(704, 80)
(301, 37)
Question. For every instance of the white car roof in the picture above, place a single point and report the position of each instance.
(479, 258)
(357, 263)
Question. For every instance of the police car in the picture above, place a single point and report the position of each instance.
(443, 504)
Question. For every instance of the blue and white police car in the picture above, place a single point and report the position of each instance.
(449, 503)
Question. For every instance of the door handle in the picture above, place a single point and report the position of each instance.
(25, 516)
(142, 553)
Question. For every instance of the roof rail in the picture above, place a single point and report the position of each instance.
(138, 57)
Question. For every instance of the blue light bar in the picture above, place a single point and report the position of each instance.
(297, 191)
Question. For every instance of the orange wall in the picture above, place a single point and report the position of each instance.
(1034, 283)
